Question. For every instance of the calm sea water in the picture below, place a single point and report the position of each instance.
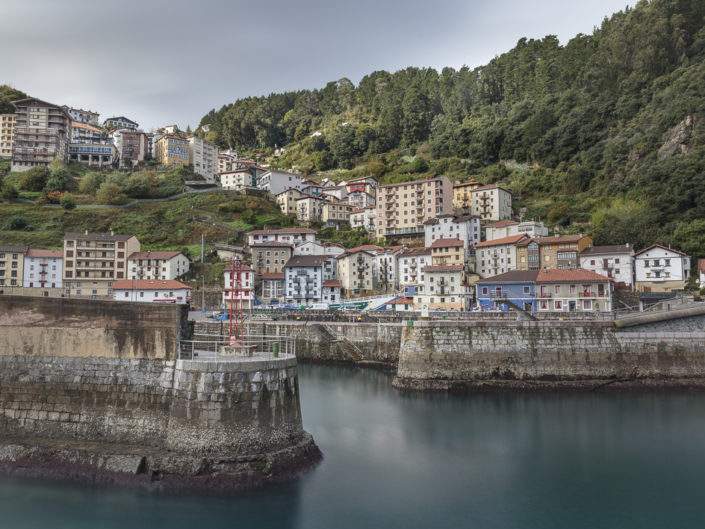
(480, 461)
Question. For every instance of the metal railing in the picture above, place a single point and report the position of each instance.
(207, 347)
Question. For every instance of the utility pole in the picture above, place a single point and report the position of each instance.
(202, 244)
(203, 294)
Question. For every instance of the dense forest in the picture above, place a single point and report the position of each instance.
(605, 133)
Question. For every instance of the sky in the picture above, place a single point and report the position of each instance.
(162, 62)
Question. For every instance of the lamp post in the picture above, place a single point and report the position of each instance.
(203, 294)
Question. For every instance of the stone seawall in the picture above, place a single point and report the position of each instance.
(119, 406)
(445, 356)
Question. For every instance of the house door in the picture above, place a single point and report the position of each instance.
(528, 306)
(571, 306)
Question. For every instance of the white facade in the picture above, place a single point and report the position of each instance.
(497, 257)
(614, 262)
(507, 228)
(237, 180)
(360, 199)
(83, 116)
(386, 271)
(465, 228)
(491, 203)
(43, 269)
(309, 209)
(203, 158)
(287, 235)
(157, 265)
(303, 280)
(332, 291)
(339, 192)
(120, 122)
(277, 181)
(151, 291)
(238, 290)
(661, 268)
(363, 218)
(318, 248)
(411, 265)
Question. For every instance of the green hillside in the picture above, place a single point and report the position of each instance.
(604, 134)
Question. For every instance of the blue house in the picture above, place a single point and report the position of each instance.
(515, 289)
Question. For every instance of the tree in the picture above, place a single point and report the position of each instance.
(34, 179)
(90, 183)
(9, 191)
(110, 193)
(67, 202)
(419, 165)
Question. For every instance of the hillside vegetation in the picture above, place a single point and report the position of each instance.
(604, 134)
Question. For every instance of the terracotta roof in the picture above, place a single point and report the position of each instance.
(560, 239)
(365, 248)
(17, 249)
(569, 276)
(608, 250)
(513, 276)
(79, 125)
(443, 268)
(662, 247)
(153, 255)
(447, 243)
(392, 249)
(410, 252)
(148, 284)
(96, 236)
(400, 301)
(243, 267)
(512, 239)
(281, 231)
(272, 275)
(305, 260)
(502, 224)
(325, 244)
(56, 254)
(333, 283)
(271, 244)
(701, 265)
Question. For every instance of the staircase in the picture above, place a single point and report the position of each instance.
(329, 335)
(521, 313)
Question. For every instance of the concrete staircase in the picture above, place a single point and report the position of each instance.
(332, 337)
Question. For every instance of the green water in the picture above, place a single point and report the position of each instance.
(480, 461)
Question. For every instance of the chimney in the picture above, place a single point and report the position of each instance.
(86, 232)
(112, 232)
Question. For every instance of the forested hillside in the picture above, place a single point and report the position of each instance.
(605, 133)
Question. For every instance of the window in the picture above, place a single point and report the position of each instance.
(558, 305)
(527, 290)
(572, 289)
(587, 304)
(557, 289)
(484, 290)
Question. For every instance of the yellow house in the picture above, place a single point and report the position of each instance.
(12, 265)
(557, 252)
(462, 194)
(172, 149)
(445, 288)
(447, 252)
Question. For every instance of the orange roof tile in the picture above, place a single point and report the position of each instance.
(512, 239)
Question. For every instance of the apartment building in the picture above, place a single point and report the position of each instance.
(151, 291)
(287, 201)
(287, 235)
(360, 199)
(12, 265)
(339, 192)
(332, 291)
(93, 154)
(309, 208)
(386, 277)
(661, 269)
(172, 149)
(43, 269)
(615, 262)
(497, 256)
(404, 208)
(335, 213)
(94, 261)
(462, 194)
(239, 287)
(277, 181)
(238, 179)
(310, 187)
(492, 202)
(465, 228)
(7, 126)
(41, 134)
(411, 263)
(445, 289)
(132, 146)
(507, 228)
(82, 116)
(272, 288)
(364, 218)
(120, 122)
(85, 133)
(557, 252)
(303, 279)
(447, 252)
(271, 256)
(203, 158)
(226, 161)
(157, 265)
(356, 269)
(366, 184)
(329, 249)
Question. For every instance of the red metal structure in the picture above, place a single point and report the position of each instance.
(236, 332)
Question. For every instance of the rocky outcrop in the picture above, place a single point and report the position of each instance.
(678, 139)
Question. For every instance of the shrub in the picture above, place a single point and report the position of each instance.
(68, 202)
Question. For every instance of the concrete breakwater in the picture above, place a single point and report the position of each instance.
(648, 351)
(94, 391)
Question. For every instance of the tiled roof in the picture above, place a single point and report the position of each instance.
(272, 275)
(513, 276)
(465, 184)
(332, 283)
(443, 268)
(400, 301)
(556, 239)
(412, 182)
(153, 255)
(147, 284)
(447, 243)
(411, 252)
(17, 249)
(491, 186)
(512, 239)
(662, 247)
(272, 244)
(305, 260)
(243, 268)
(281, 231)
(569, 276)
(608, 250)
(55, 254)
(96, 236)
(502, 224)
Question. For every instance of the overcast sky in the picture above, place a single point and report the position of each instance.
(160, 62)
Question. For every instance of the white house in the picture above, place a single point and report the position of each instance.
(329, 249)
(238, 179)
(309, 208)
(238, 287)
(277, 181)
(286, 235)
(360, 199)
(303, 279)
(412, 261)
(157, 265)
(43, 268)
(151, 291)
(614, 262)
(465, 228)
(661, 269)
(203, 157)
(497, 256)
(332, 291)
(363, 218)
(338, 192)
(386, 271)
(507, 228)
(491, 202)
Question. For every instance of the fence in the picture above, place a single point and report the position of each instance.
(207, 347)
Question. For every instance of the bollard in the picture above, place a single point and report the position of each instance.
(275, 349)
